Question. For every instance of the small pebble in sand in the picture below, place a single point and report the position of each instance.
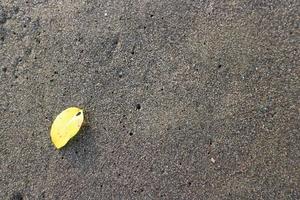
(212, 160)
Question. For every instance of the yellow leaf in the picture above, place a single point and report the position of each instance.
(65, 126)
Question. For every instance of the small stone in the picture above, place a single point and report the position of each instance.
(212, 160)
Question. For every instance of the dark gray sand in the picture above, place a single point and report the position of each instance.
(183, 99)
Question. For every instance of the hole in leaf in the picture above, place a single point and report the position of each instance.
(79, 113)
